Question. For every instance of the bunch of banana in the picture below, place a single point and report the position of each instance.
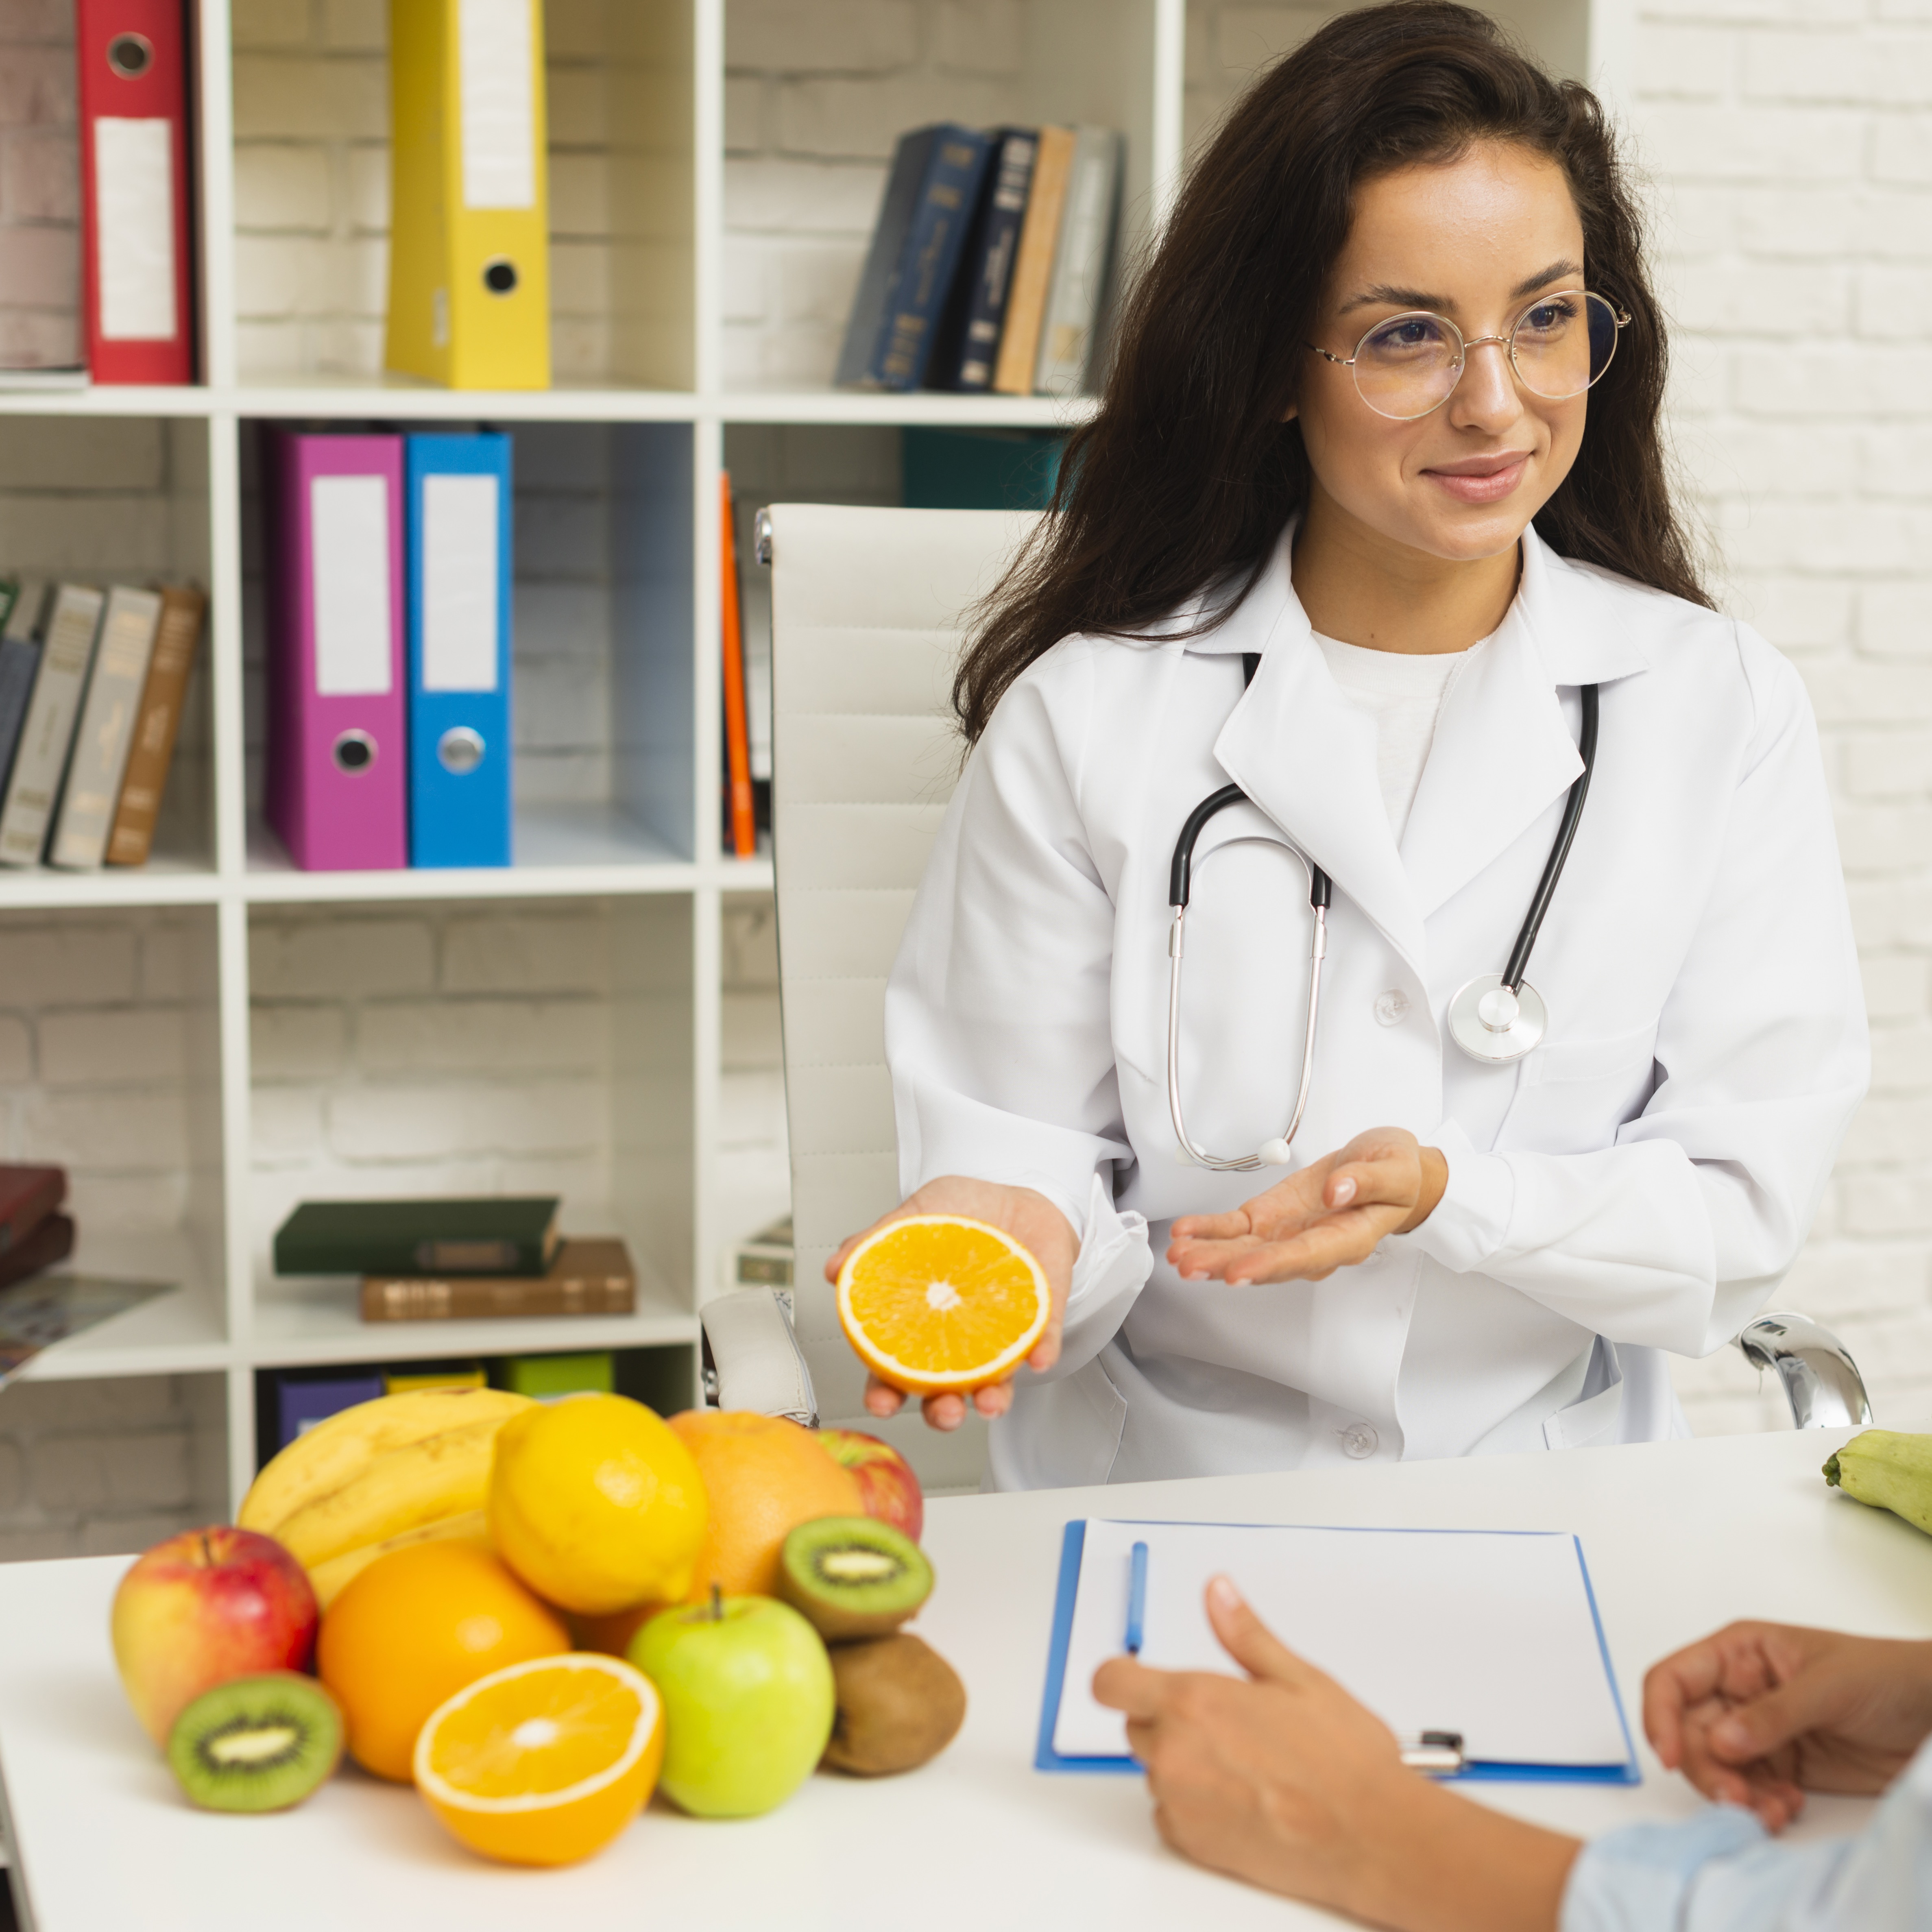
(1889, 1470)
(405, 1468)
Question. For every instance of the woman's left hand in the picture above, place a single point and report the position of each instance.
(1328, 1215)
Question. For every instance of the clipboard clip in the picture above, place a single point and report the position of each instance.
(1438, 1754)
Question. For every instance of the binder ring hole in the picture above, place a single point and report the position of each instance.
(130, 54)
(499, 276)
(459, 750)
(355, 751)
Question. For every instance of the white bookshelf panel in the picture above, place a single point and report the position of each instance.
(481, 1048)
(815, 96)
(110, 1066)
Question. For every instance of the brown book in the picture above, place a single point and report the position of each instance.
(1033, 266)
(588, 1277)
(156, 724)
(49, 1241)
(27, 1195)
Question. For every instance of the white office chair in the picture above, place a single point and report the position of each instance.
(867, 615)
(869, 610)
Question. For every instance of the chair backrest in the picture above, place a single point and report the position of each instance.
(869, 610)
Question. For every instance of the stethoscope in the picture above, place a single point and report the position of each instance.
(1495, 1018)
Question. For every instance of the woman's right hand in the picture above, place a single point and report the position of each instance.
(1037, 1225)
(1759, 1714)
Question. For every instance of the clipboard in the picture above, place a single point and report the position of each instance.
(1494, 1632)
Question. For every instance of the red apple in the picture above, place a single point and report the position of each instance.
(202, 1607)
(887, 1487)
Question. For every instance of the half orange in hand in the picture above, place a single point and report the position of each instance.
(544, 1762)
(937, 1302)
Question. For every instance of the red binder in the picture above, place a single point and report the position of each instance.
(136, 268)
(737, 734)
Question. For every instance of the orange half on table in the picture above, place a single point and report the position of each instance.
(544, 1762)
(937, 1302)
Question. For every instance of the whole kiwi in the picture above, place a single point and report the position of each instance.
(900, 1703)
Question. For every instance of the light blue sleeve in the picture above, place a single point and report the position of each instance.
(1719, 1873)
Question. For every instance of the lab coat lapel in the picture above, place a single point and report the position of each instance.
(1307, 757)
(1505, 749)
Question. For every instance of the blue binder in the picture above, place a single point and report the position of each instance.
(459, 626)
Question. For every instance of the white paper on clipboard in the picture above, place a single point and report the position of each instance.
(1492, 1634)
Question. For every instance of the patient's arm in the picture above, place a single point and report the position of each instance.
(1287, 1782)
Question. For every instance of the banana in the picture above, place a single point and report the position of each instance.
(423, 1483)
(1889, 1471)
(330, 1578)
(339, 1450)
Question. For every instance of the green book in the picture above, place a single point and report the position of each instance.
(491, 1235)
(543, 1376)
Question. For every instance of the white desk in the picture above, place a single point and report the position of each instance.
(1680, 1537)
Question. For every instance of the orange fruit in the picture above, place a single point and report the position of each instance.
(937, 1302)
(545, 1762)
(765, 1476)
(414, 1627)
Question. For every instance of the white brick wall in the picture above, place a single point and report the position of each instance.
(99, 1469)
(40, 187)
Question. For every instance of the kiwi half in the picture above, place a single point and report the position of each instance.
(256, 1744)
(899, 1703)
(854, 1576)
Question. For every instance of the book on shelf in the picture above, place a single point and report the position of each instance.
(916, 243)
(741, 823)
(40, 760)
(1081, 262)
(19, 662)
(588, 1276)
(27, 1195)
(157, 725)
(301, 1400)
(969, 331)
(434, 1375)
(549, 1378)
(107, 727)
(136, 272)
(477, 1235)
(469, 263)
(49, 1241)
(1032, 264)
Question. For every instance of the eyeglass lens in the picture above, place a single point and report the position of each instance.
(1407, 365)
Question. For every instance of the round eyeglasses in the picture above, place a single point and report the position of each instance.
(1409, 364)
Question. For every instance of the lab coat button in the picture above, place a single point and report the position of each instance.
(1391, 1006)
(1359, 1441)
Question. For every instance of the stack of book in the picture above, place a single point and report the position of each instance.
(464, 1260)
(389, 575)
(33, 1233)
(990, 262)
(92, 686)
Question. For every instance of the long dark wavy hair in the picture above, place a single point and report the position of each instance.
(1187, 476)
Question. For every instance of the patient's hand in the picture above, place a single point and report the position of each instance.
(1759, 1714)
(1286, 1781)
(1032, 1221)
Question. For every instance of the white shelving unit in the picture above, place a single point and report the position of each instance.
(676, 85)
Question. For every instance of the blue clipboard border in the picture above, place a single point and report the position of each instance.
(1478, 1772)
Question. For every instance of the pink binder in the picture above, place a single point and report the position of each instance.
(337, 779)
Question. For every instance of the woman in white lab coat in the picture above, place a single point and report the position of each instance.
(1346, 446)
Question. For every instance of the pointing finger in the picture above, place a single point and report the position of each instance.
(1122, 1685)
(1249, 1642)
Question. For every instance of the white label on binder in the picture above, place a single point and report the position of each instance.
(498, 87)
(134, 228)
(348, 565)
(459, 583)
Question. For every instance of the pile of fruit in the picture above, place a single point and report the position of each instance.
(537, 1614)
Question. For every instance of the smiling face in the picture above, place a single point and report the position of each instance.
(1477, 239)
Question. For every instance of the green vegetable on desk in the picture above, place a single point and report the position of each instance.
(1889, 1471)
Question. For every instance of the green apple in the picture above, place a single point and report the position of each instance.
(748, 1703)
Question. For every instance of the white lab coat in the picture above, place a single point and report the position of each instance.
(1639, 1183)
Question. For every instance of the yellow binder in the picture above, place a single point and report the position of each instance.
(469, 234)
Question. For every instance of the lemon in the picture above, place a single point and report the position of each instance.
(596, 1504)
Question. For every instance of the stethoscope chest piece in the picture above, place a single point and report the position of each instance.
(1491, 1024)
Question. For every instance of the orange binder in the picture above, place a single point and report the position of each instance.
(737, 723)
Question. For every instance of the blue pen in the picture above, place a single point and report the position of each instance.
(1137, 1599)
